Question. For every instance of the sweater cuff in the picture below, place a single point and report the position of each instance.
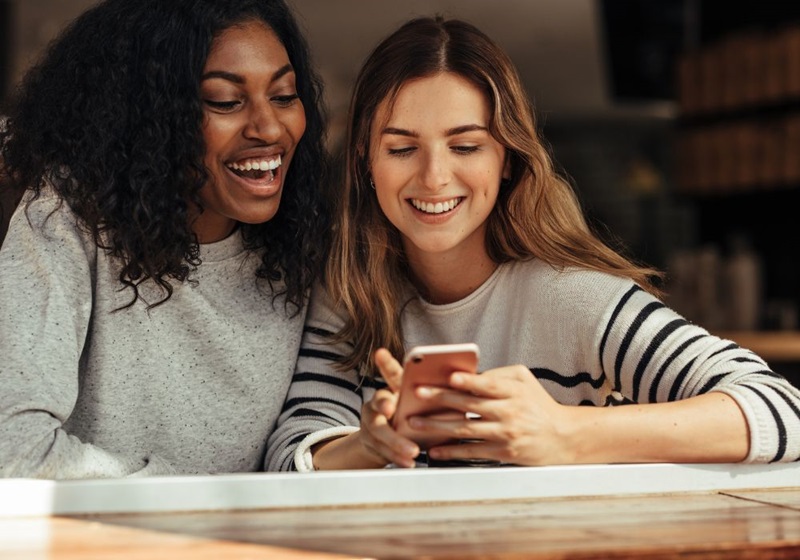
(154, 466)
(757, 426)
(303, 460)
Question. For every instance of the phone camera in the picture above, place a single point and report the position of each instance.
(416, 359)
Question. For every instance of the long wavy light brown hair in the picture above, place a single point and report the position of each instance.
(537, 214)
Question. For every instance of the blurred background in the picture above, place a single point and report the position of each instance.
(677, 121)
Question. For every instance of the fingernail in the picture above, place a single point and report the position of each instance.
(424, 392)
(456, 379)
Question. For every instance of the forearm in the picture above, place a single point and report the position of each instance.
(709, 428)
(32, 445)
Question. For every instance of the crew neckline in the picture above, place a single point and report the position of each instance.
(476, 294)
(222, 249)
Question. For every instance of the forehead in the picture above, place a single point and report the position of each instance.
(438, 98)
(243, 45)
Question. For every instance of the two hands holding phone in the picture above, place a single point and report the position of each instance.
(436, 402)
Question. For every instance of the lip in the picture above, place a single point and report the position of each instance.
(257, 153)
(435, 218)
(256, 187)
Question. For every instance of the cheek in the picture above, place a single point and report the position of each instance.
(491, 175)
(382, 196)
(492, 184)
(215, 134)
(295, 124)
(391, 173)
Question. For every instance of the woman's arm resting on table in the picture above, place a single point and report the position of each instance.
(520, 423)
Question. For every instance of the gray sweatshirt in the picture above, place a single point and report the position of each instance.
(193, 386)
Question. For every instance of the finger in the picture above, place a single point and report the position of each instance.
(380, 439)
(384, 402)
(469, 450)
(390, 368)
(451, 415)
(393, 447)
(464, 402)
(456, 427)
(501, 383)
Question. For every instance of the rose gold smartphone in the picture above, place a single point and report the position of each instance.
(431, 366)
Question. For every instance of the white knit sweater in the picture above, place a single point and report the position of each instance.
(590, 338)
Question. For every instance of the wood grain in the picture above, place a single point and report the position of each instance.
(750, 524)
(56, 538)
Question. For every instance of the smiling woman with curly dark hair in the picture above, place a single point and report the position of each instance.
(154, 280)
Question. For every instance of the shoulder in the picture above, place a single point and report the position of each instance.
(47, 212)
(568, 288)
(44, 229)
(323, 313)
(46, 216)
(573, 302)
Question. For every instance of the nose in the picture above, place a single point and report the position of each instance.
(263, 123)
(435, 173)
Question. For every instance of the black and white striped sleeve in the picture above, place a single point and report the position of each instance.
(652, 354)
(323, 401)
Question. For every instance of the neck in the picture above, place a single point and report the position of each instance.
(450, 277)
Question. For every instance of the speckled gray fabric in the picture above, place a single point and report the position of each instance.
(192, 386)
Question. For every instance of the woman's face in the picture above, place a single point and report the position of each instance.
(435, 166)
(253, 120)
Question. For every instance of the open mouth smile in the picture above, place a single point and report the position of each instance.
(257, 169)
(436, 207)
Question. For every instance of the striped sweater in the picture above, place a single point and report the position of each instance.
(590, 338)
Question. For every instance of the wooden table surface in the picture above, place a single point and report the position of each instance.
(727, 524)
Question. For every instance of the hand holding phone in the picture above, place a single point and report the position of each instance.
(430, 366)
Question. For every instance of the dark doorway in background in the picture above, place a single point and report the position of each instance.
(642, 40)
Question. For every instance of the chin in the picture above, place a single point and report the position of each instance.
(256, 220)
(259, 215)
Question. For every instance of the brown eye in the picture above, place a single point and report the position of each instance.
(285, 100)
(401, 152)
(221, 105)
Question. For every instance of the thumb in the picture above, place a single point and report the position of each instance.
(390, 368)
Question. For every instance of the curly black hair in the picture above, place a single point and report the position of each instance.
(112, 117)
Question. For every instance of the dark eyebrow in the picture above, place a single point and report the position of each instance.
(237, 79)
(399, 132)
(466, 128)
(448, 132)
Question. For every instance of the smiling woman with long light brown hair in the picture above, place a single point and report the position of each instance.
(453, 227)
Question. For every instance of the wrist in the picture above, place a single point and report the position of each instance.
(571, 434)
(346, 452)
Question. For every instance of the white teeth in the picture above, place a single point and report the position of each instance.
(258, 164)
(435, 208)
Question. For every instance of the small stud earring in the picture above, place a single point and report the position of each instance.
(371, 184)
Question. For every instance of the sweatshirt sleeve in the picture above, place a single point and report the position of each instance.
(323, 402)
(652, 354)
(46, 291)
